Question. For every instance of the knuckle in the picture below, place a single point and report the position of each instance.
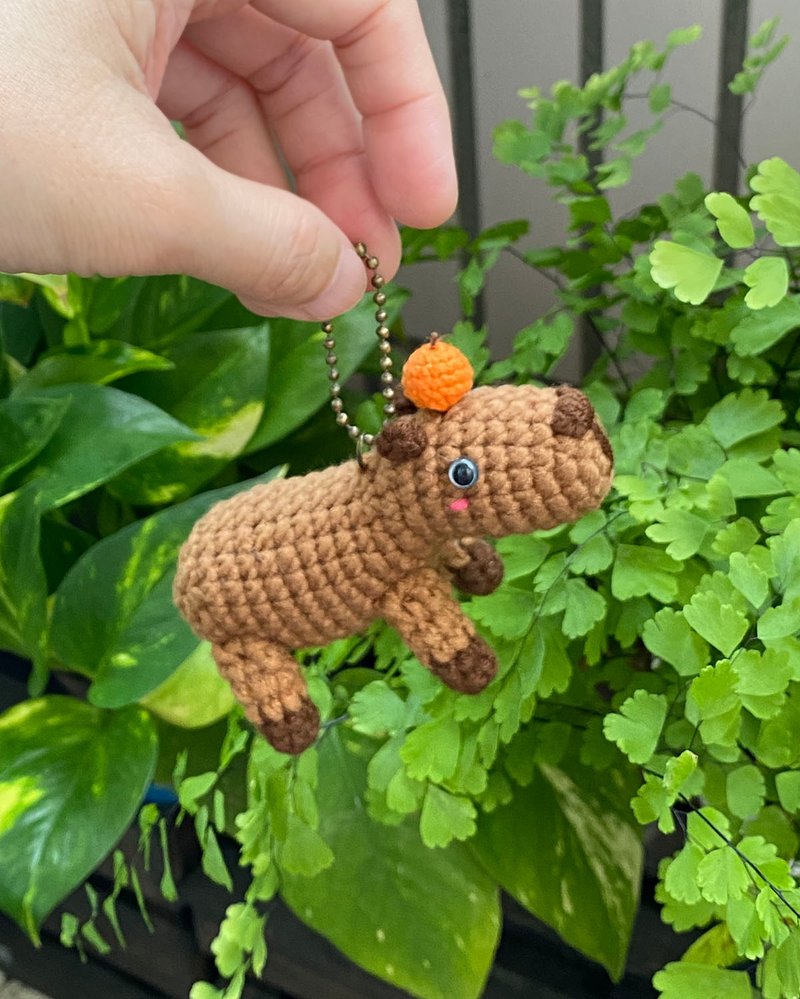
(300, 272)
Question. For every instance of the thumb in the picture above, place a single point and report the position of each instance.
(277, 252)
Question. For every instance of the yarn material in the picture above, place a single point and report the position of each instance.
(303, 561)
(476, 567)
(437, 375)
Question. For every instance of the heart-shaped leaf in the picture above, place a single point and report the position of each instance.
(425, 920)
(581, 843)
(113, 616)
(71, 779)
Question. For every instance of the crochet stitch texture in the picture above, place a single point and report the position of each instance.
(303, 561)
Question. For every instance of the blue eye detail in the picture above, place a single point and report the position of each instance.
(463, 473)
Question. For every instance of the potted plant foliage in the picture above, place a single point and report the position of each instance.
(649, 653)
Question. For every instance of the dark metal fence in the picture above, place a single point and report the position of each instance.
(734, 16)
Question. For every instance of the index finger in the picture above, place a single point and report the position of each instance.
(382, 48)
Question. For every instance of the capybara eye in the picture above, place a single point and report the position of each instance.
(463, 473)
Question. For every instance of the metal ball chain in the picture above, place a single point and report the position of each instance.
(387, 379)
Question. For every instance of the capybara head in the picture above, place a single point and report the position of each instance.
(503, 460)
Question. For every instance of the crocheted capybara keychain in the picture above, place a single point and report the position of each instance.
(302, 561)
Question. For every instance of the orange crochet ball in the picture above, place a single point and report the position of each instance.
(437, 375)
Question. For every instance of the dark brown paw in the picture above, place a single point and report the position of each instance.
(296, 731)
(470, 670)
(483, 573)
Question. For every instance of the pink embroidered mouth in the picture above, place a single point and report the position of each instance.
(460, 504)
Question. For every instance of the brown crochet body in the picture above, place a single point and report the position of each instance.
(303, 561)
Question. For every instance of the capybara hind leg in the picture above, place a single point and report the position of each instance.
(267, 681)
(439, 634)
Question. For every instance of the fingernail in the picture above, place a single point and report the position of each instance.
(345, 290)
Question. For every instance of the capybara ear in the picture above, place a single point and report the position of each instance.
(402, 404)
(401, 440)
(573, 414)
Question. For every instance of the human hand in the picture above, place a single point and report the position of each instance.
(93, 179)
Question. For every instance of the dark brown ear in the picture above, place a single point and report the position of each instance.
(402, 404)
(573, 414)
(401, 440)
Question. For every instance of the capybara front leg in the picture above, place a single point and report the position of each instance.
(439, 634)
(267, 681)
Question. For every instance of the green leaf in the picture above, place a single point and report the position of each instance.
(213, 863)
(747, 478)
(113, 615)
(594, 209)
(682, 532)
(637, 729)
(768, 281)
(544, 662)
(739, 536)
(522, 554)
(304, 851)
(191, 789)
(745, 414)
(585, 607)
(195, 695)
(216, 388)
(23, 586)
(700, 832)
(777, 201)
(683, 36)
(720, 624)
(519, 146)
(641, 571)
(99, 362)
(748, 578)
(714, 692)
(507, 613)
(298, 384)
(431, 751)
(693, 451)
(721, 875)
(202, 990)
(761, 330)
(425, 920)
(763, 678)
(26, 425)
(690, 273)
(659, 97)
(102, 432)
(787, 468)
(780, 622)
(445, 817)
(746, 790)
(683, 980)
(680, 878)
(786, 969)
(785, 550)
(733, 221)
(377, 710)
(787, 785)
(71, 779)
(580, 868)
(669, 636)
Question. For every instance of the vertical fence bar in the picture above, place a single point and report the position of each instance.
(728, 137)
(465, 137)
(462, 77)
(592, 57)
